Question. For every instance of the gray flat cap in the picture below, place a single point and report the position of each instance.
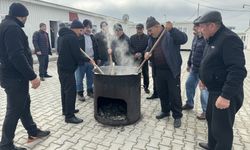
(211, 16)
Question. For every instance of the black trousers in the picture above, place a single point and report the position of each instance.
(169, 91)
(145, 75)
(220, 123)
(68, 93)
(154, 82)
(43, 64)
(18, 107)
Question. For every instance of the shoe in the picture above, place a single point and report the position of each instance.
(162, 115)
(76, 111)
(12, 147)
(187, 107)
(177, 123)
(147, 90)
(39, 134)
(90, 94)
(42, 79)
(47, 76)
(202, 116)
(204, 145)
(81, 98)
(73, 120)
(153, 96)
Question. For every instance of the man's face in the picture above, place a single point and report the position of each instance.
(78, 31)
(43, 28)
(139, 31)
(206, 29)
(88, 30)
(22, 19)
(118, 33)
(105, 27)
(153, 32)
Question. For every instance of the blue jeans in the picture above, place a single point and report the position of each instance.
(80, 72)
(191, 84)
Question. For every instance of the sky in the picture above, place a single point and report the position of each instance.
(233, 13)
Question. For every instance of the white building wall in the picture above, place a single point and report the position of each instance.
(186, 27)
(247, 42)
(45, 12)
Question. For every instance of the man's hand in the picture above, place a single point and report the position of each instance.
(222, 103)
(109, 51)
(201, 85)
(147, 55)
(138, 55)
(35, 83)
(39, 53)
(92, 62)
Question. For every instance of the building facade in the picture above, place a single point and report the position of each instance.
(52, 15)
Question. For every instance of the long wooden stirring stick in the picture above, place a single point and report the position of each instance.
(95, 66)
(152, 49)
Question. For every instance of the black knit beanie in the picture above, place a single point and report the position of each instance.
(18, 10)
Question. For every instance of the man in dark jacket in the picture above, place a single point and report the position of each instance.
(222, 71)
(138, 44)
(120, 47)
(16, 70)
(167, 61)
(43, 50)
(68, 59)
(193, 66)
(103, 41)
(88, 44)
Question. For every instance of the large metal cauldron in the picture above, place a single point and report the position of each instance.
(117, 95)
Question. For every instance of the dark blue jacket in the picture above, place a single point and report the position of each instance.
(196, 53)
(170, 44)
(41, 43)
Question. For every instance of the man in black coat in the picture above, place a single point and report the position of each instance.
(68, 59)
(16, 70)
(138, 44)
(43, 50)
(167, 61)
(222, 71)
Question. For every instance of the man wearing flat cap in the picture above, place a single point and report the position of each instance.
(167, 61)
(68, 60)
(16, 70)
(138, 44)
(222, 71)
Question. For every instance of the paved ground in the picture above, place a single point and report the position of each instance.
(148, 133)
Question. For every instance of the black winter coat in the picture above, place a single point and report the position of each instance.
(15, 55)
(223, 66)
(41, 43)
(69, 51)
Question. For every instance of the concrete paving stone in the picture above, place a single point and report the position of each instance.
(107, 141)
(48, 141)
(75, 138)
(115, 146)
(128, 145)
(62, 139)
(91, 145)
(144, 136)
(163, 147)
(101, 147)
(120, 139)
(59, 133)
(189, 146)
(238, 147)
(154, 142)
(80, 144)
(166, 141)
(177, 142)
(176, 146)
(53, 146)
(133, 138)
(65, 146)
(151, 148)
(141, 144)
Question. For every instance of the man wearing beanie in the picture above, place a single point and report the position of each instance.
(222, 71)
(88, 44)
(43, 50)
(16, 67)
(167, 62)
(68, 59)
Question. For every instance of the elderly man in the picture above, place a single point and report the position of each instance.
(167, 61)
(222, 71)
(16, 70)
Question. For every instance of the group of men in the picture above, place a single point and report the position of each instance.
(216, 62)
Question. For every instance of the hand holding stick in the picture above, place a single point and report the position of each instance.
(92, 61)
(152, 49)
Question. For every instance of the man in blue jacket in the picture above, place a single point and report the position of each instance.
(43, 50)
(167, 61)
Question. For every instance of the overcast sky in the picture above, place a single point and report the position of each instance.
(233, 13)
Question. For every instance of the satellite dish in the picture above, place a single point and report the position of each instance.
(125, 17)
